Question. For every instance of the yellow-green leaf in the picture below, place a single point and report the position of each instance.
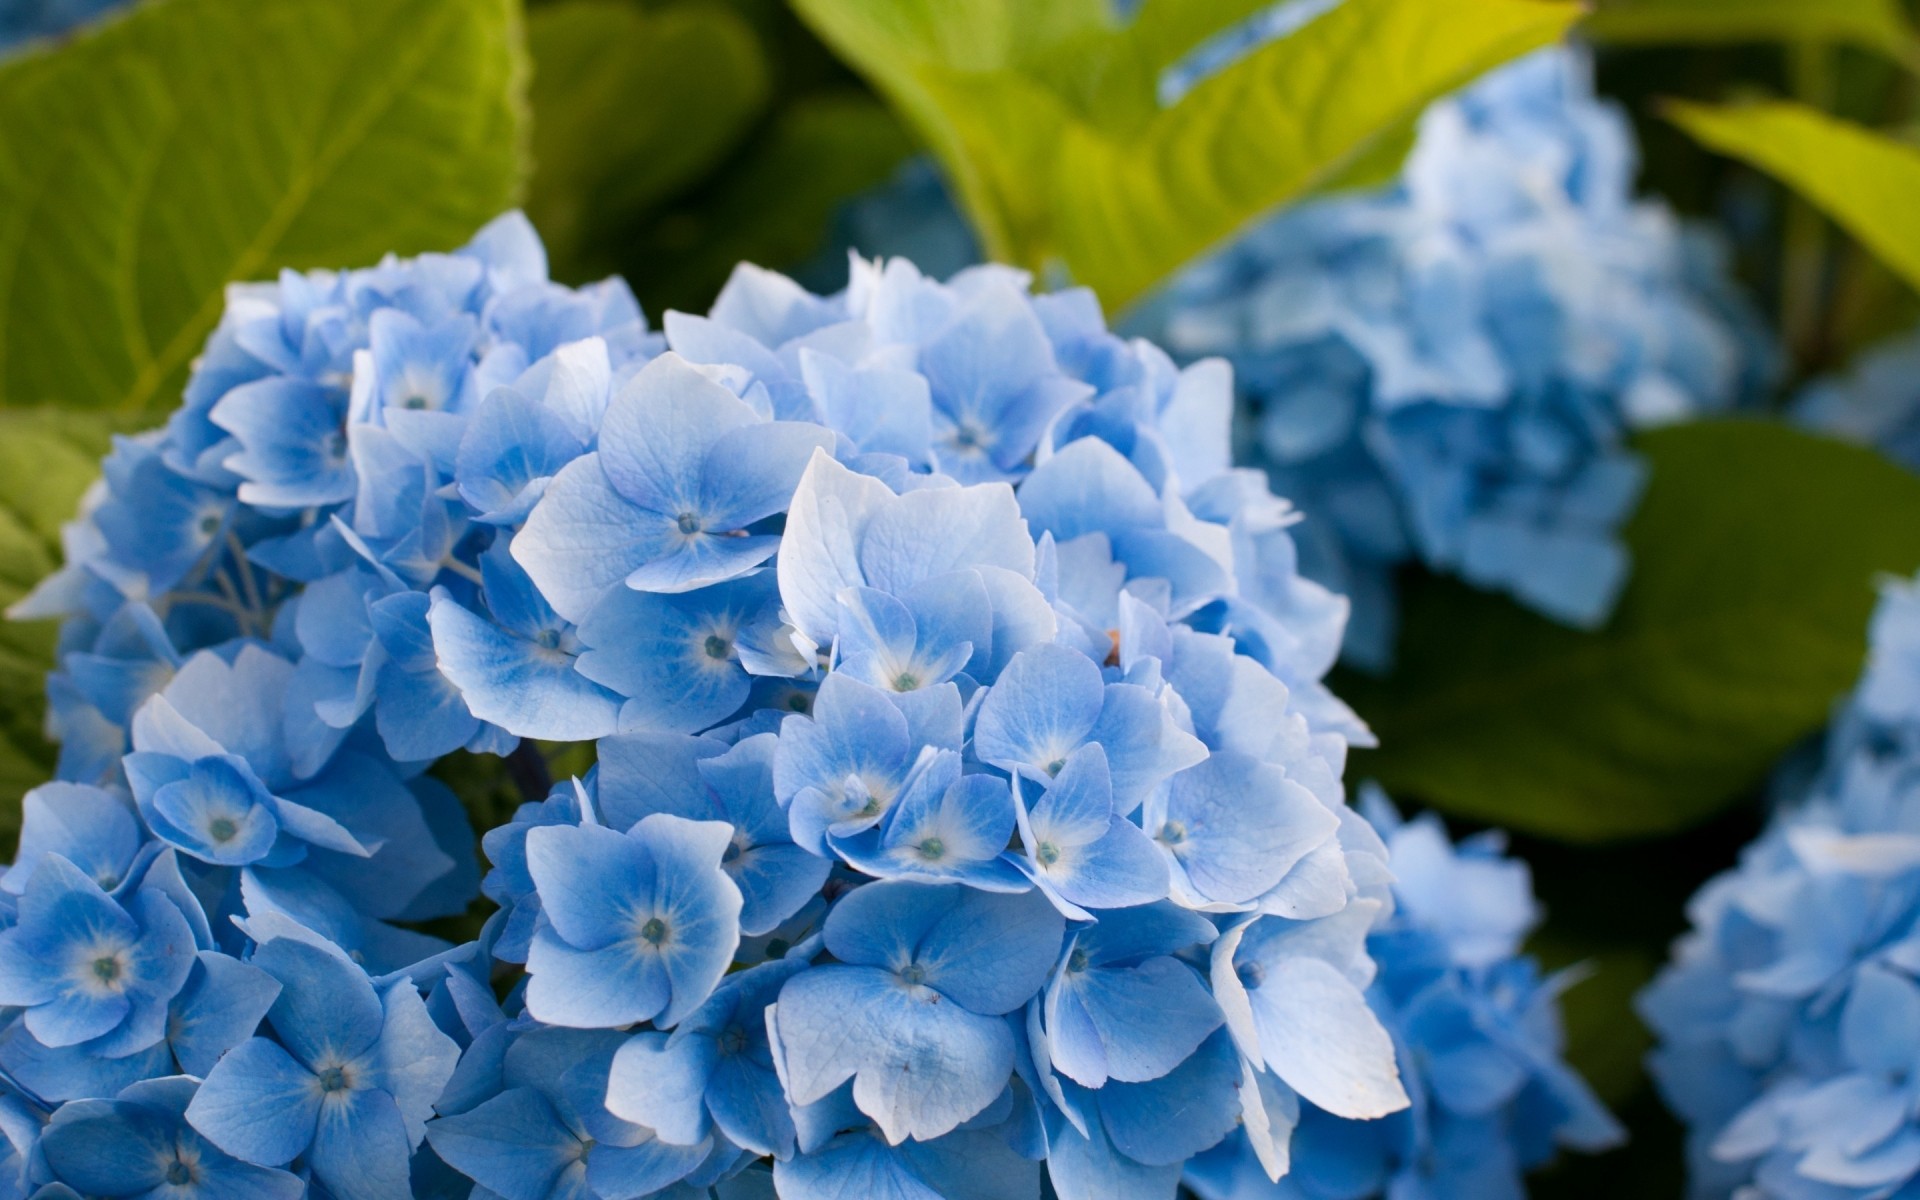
(1878, 25)
(1048, 120)
(196, 142)
(1868, 183)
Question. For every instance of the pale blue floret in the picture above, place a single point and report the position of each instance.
(347, 1082)
(548, 1132)
(138, 1144)
(634, 927)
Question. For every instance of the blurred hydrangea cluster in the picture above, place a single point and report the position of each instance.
(1449, 369)
(25, 21)
(1477, 1031)
(966, 802)
(1789, 1019)
(1876, 403)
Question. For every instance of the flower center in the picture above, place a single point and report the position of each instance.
(334, 1079)
(1173, 833)
(654, 932)
(1054, 767)
(689, 523)
(905, 681)
(733, 1040)
(1047, 853)
(1077, 961)
(222, 829)
(932, 849)
(107, 968)
(209, 525)
(414, 401)
(717, 646)
(913, 974)
(179, 1174)
(1251, 974)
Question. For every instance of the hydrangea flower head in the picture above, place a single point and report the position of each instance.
(1473, 1023)
(966, 801)
(1450, 370)
(1787, 1019)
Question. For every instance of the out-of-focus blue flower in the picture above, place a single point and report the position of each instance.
(1450, 370)
(1475, 1027)
(23, 22)
(1786, 1020)
(1876, 402)
(953, 702)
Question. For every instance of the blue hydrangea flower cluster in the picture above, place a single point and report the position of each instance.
(1789, 1018)
(1449, 370)
(966, 801)
(1875, 403)
(26, 21)
(1477, 1031)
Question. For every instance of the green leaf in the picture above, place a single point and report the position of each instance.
(630, 106)
(775, 203)
(201, 141)
(1869, 184)
(1756, 552)
(47, 460)
(1878, 25)
(1047, 117)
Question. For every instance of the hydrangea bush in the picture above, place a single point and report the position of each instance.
(966, 800)
(1476, 1029)
(1449, 370)
(1789, 1019)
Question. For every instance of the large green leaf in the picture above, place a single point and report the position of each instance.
(47, 459)
(1872, 24)
(1868, 183)
(1047, 117)
(630, 106)
(201, 141)
(1756, 552)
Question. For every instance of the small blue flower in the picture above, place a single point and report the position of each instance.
(928, 989)
(89, 968)
(139, 1144)
(683, 469)
(634, 927)
(548, 1133)
(347, 1081)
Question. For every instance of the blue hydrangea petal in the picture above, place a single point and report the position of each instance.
(526, 688)
(360, 1149)
(221, 1005)
(258, 1105)
(512, 1144)
(584, 538)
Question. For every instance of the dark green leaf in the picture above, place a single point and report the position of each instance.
(630, 106)
(1756, 553)
(774, 205)
(197, 142)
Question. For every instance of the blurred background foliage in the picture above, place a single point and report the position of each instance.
(146, 163)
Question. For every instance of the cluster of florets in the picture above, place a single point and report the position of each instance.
(1876, 403)
(1477, 1031)
(966, 797)
(1450, 370)
(1789, 1019)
